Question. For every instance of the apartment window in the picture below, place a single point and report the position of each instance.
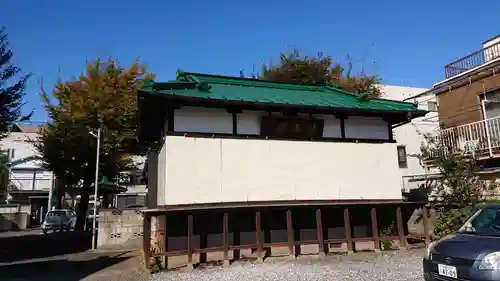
(492, 103)
(402, 158)
(291, 127)
(432, 106)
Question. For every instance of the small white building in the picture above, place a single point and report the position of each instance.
(228, 140)
(30, 182)
(134, 181)
(410, 137)
(250, 164)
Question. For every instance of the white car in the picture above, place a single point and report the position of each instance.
(62, 220)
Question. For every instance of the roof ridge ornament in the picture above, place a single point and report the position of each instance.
(147, 83)
(179, 72)
(333, 85)
(201, 85)
(204, 86)
(364, 97)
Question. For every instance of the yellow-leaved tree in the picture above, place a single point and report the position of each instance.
(104, 96)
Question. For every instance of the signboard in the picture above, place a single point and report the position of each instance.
(472, 146)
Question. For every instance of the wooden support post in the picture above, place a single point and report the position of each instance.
(401, 232)
(166, 241)
(289, 232)
(202, 226)
(347, 231)
(236, 241)
(258, 236)
(225, 235)
(190, 241)
(296, 236)
(375, 234)
(146, 240)
(319, 233)
(161, 236)
(427, 234)
(203, 245)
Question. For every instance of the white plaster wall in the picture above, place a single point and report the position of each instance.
(205, 170)
(332, 128)
(360, 127)
(412, 135)
(249, 123)
(22, 146)
(213, 120)
(203, 120)
(162, 177)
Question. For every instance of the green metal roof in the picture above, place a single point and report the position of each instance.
(243, 90)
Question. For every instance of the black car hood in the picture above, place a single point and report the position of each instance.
(467, 246)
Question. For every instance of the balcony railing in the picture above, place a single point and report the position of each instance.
(473, 60)
(481, 137)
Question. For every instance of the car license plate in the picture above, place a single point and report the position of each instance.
(448, 271)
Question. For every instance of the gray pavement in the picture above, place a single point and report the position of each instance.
(31, 244)
(32, 256)
(35, 231)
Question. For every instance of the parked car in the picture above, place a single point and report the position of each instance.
(472, 253)
(62, 220)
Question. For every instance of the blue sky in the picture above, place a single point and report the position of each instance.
(406, 42)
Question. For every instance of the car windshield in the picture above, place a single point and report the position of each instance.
(56, 213)
(484, 222)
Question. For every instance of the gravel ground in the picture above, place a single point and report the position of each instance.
(396, 266)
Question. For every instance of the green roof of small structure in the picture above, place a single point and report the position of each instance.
(253, 91)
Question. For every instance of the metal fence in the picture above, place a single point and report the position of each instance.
(473, 60)
(25, 180)
(478, 137)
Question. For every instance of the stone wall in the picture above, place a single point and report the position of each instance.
(416, 224)
(14, 221)
(118, 226)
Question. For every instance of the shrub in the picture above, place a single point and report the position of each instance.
(450, 220)
(459, 184)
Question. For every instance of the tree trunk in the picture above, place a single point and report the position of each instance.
(4, 180)
(81, 215)
(57, 193)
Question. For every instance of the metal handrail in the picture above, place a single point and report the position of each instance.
(473, 60)
(484, 135)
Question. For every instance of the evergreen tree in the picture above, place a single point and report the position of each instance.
(12, 88)
(4, 177)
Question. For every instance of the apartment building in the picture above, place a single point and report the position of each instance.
(30, 182)
(468, 102)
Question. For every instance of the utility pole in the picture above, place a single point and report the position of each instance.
(96, 187)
